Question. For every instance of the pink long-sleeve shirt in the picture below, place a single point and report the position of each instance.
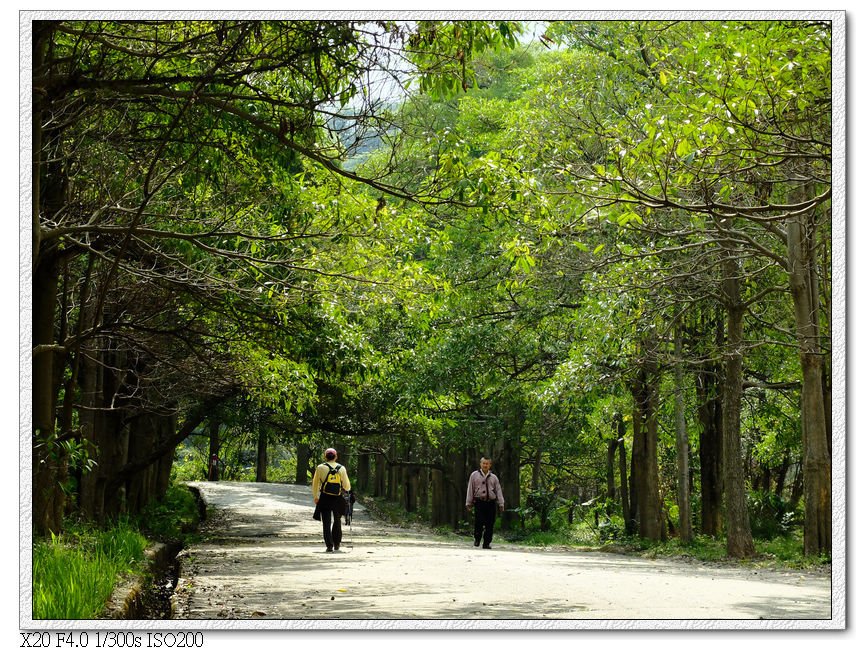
(484, 488)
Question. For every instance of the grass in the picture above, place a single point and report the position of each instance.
(75, 572)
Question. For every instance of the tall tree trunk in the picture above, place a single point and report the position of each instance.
(46, 492)
(380, 485)
(645, 389)
(457, 483)
(301, 472)
(47, 497)
(634, 511)
(709, 412)
(90, 489)
(612, 443)
(362, 481)
(167, 426)
(623, 476)
(686, 533)
(739, 541)
(423, 490)
(815, 446)
(507, 468)
(392, 476)
(261, 457)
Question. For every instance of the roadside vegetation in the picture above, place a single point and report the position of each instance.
(778, 541)
(75, 572)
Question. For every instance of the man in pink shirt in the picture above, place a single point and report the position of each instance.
(483, 493)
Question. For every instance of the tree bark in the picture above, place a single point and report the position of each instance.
(623, 476)
(815, 446)
(739, 541)
(612, 443)
(301, 472)
(438, 510)
(507, 468)
(47, 497)
(261, 457)
(645, 392)
(361, 482)
(686, 533)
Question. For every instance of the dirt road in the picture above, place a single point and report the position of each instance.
(263, 558)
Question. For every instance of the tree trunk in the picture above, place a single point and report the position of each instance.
(392, 478)
(623, 476)
(411, 488)
(261, 457)
(92, 484)
(709, 412)
(301, 472)
(167, 426)
(423, 490)
(47, 496)
(457, 484)
(507, 468)
(645, 392)
(815, 446)
(634, 512)
(739, 541)
(682, 449)
(380, 476)
(536, 467)
(362, 481)
(611, 473)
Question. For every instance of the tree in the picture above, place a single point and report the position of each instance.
(740, 115)
(178, 152)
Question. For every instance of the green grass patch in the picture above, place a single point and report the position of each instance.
(74, 573)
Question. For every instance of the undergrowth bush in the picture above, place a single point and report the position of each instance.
(770, 515)
(171, 518)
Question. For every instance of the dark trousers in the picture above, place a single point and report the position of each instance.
(332, 536)
(485, 518)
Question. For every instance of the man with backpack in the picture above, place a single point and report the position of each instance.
(484, 494)
(328, 483)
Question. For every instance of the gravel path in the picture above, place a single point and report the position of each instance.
(263, 558)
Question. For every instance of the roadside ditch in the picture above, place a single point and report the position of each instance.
(149, 597)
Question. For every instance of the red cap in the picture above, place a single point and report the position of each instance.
(329, 451)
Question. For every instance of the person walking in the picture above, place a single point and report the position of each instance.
(483, 494)
(328, 483)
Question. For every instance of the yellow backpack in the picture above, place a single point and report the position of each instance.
(332, 482)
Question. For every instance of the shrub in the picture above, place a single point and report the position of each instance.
(770, 515)
(173, 516)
